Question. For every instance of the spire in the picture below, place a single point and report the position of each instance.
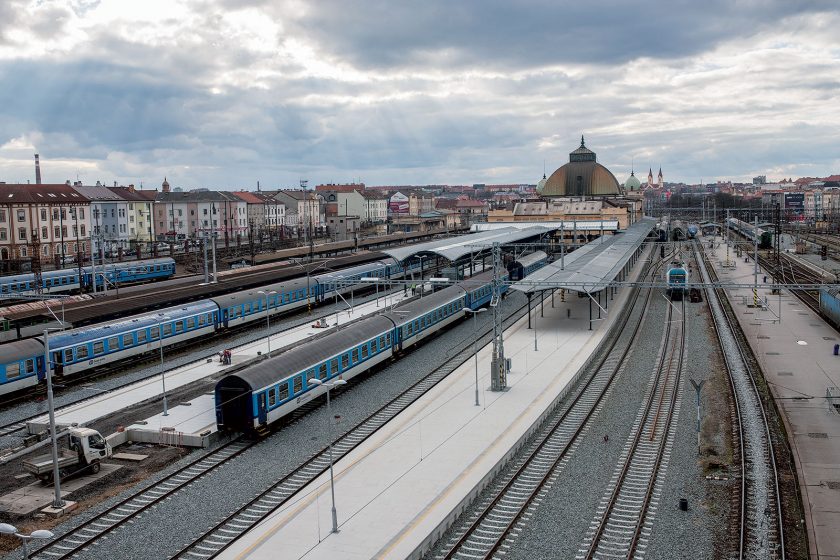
(582, 145)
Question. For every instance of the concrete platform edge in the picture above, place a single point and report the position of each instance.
(591, 347)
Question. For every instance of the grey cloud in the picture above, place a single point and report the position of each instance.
(503, 34)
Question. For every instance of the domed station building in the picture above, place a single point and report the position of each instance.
(581, 191)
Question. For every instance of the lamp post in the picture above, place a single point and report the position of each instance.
(58, 503)
(162, 370)
(267, 316)
(475, 346)
(6, 529)
(336, 383)
(335, 295)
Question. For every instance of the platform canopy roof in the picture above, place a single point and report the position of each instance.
(592, 267)
(454, 248)
(567, 225)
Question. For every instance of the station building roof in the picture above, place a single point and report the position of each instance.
(592, 267)
(453, 249)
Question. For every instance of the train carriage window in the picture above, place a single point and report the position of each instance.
(179, 327)
(355, 355)
(200, 320)
(283, 391)
(12, 370)
(210, 317)
(30, 366)
(310, 374)
(99, 347)
(81, 352)
(373, 346)
(285, 298)
(114, 343)
(322, 371)
(297, 384)
(68, 356)
(167, 329)
(128, 340)
(381, 342)
(334, 366)
(364, 351)
(141, 337)
(345, 360)
(409, 330)
(272, 397)
(190, 323)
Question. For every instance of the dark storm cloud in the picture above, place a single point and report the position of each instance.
(531, 33)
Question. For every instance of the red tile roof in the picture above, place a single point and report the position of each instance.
(16, 193)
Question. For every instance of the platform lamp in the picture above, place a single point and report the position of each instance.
(336, 383)
(475, 346)
(6, 529)
(267, 316)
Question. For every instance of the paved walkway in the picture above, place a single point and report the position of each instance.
(397, 492)
(796, 355)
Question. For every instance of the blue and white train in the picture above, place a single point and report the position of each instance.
(81, 349)
(69, 279)
(251, 399)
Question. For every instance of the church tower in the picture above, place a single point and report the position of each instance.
(660, 180)
(650, 177)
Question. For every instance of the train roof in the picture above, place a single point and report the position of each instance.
(20, 350)
(120, 326)
(310, 353)
(415, 308)
(253, 294)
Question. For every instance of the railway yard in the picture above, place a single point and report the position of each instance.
(545, 406)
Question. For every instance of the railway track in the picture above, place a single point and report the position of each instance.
(761, 525)
(227, 531)
(140, 501)
(625, 514)
(491, 529)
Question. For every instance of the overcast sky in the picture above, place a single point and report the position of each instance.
(225, 93)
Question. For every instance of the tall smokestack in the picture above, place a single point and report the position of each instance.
(37, 169)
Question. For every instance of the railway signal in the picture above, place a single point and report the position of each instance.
(824, 252)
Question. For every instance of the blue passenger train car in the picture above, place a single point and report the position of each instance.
(83, 348)
(21, 365)
(676, 278)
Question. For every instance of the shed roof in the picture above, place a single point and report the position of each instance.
(592, 267)
(453, 249)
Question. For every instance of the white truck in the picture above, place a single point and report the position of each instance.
(86, 449)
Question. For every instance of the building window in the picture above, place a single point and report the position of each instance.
(22, 234)
(57, 232)
(46, 250)
(43, 214)
(64, 231)
(23, 251)
(3, 215)
(45, 232)
(75, 231)
(83, 230)
(81, 213)
(21, 215)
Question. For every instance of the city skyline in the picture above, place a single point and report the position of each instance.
(223, 94)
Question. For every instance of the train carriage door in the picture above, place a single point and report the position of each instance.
(57, 363)
(261, 412)
(225, 318)
(39, 368)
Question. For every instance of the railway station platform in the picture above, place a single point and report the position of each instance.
(106, 404)
(397, 492)
(795, 349)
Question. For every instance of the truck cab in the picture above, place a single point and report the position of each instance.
(85, 449)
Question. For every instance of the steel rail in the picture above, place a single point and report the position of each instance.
(524, 475)
(743, 354)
